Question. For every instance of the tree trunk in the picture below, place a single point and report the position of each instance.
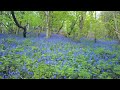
(17, 24)
(51, 22)
(116, 27)
(115, 21)
(47, 21)
(95, 40)
(48, 33)
(95, 32)
(39, 31)
(81, 23)
(72, 26)
(60, 27)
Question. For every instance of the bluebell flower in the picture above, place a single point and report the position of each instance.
(31, 73)
(102, 70)
(110, 63)
(12, 73)
(0, 63)
(116, 63)
(39, 60)
(64, 77)
(19, 53)
(17, 72)
(106, 58)
(47, 62)
(1, 73)
(5, 77)
(54, 76)
(24, 69)
(1, 53)
(94, 75)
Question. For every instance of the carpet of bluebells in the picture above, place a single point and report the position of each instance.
(58, 58)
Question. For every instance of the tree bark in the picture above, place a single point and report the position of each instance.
(60, 27)
(81, 20)
(48, 24)
(116, 27)
(95, 32)
(72, 26)
(17, 24)
(81, 23)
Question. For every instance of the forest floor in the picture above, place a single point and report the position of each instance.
(58, 58)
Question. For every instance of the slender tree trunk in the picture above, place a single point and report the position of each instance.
(116, 27)
(95, 40)
(48, 33)
(60, 27)
(72, 26)
(47, 21)
(17, 24)
(51, 22)
(81, 21)
(19, 28)
(2, 29)
(39, 31)
(115, 21)
(95, 31)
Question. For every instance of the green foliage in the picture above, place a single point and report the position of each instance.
(99, 51)
(116, 69)
(104, 75)
(84, 74)
(81, 59)
(19, 49)
(99, 27)
(27, 42)
(9, 41)
(13, 59)
(43, 70)
(2, 47)
(102, 51)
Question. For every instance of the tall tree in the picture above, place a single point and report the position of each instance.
(82, 19)
(72, 26)
(48, 24)
(60, 27)
(116, 25)
(95, 31)
(16, 22)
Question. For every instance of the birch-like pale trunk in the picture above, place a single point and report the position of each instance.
(116, 27)
(47, 23)
(115, 22)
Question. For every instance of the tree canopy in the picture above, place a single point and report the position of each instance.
(72, 24)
